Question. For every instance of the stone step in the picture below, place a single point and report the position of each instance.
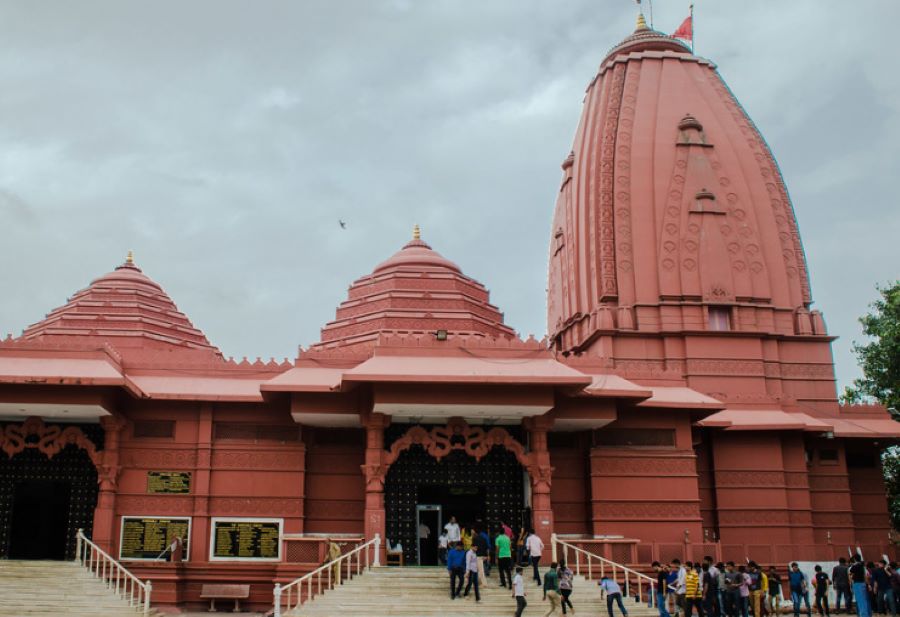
(424, 592)
(55, 588)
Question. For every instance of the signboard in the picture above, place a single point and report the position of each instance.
(246, 539)
(146, 537)
(172, 482)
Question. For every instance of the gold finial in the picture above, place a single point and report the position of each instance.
(416, 233)
(641, 23)
(130, 258)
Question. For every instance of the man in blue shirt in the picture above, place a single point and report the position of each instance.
(799, 589)
(613, 594)
(456, 565)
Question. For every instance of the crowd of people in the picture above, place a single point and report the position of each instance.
(729, 590)
(706, 588)
(470, 553)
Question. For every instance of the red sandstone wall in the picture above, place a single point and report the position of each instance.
(762, 493)
(706, 486)
(335, 490)
(871, 521)
(570, 491)
(648, 493)
(235, 476)
(829, 490)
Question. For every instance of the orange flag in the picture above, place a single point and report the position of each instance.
(685, 30)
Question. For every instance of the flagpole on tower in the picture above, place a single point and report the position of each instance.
(692, 28)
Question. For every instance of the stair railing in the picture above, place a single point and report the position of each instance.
(112, 573)
(585, 564)
(357, 561)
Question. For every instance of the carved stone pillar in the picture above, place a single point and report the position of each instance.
(374, 470)
(108, 476)
(541, 473)
(200, 526)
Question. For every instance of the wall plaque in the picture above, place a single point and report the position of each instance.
(246, 539)
(172, 482)
(146, 537)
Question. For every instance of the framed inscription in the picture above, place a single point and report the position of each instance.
(246, 539)
(170, 482)
(147, 537)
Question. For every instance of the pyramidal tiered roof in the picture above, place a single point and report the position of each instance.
(417, 290)
(125, 308)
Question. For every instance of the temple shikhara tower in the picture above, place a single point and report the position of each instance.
(683, 403)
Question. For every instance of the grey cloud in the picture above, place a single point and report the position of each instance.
(222, 142)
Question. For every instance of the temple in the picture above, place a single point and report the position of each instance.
(683, 403)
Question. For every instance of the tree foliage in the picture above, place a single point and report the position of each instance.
(880, 357)
(890, 462)
(880, 363)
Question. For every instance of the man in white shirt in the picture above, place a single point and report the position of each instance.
(472, 572)
(680, 586)
(443, 544)
(535, 546)
(452, 529)
(518, 584)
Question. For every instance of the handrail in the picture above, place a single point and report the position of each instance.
(118, 580)
(629, 573)
(297, 585)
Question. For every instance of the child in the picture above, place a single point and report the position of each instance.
(518, 585)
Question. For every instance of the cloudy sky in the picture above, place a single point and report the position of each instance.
(222, 141)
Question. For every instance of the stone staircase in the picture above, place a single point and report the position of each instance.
(425, 592)
(54, 588)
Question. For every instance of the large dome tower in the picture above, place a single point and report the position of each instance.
(672, 215)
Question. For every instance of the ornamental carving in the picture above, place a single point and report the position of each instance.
(159, 458)
(725, 367)
(647, 510)
(807, 371)
(743, 518)
(264, 506)
(162, 505)
(457, 435)
(47, 439)
(796, 479)
(661, 467)
(282, 460)
(749, 479)
(835, 519)
(800, 517)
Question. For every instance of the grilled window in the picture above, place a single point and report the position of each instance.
(245, 431)
(639, 437)
(155, 429)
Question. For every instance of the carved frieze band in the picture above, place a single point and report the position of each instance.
(156, 458)
(646, 510)
(828, 483)
(661, 467)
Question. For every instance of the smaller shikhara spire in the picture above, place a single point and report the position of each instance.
(417, 233)
(129, 259)
(641, 22)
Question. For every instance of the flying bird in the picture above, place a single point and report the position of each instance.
(342, 224)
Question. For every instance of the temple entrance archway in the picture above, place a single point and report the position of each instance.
(457, 469)
(48, 487)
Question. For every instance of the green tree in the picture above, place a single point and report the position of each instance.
(880, 357)
(880, 363)
(890, 461)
